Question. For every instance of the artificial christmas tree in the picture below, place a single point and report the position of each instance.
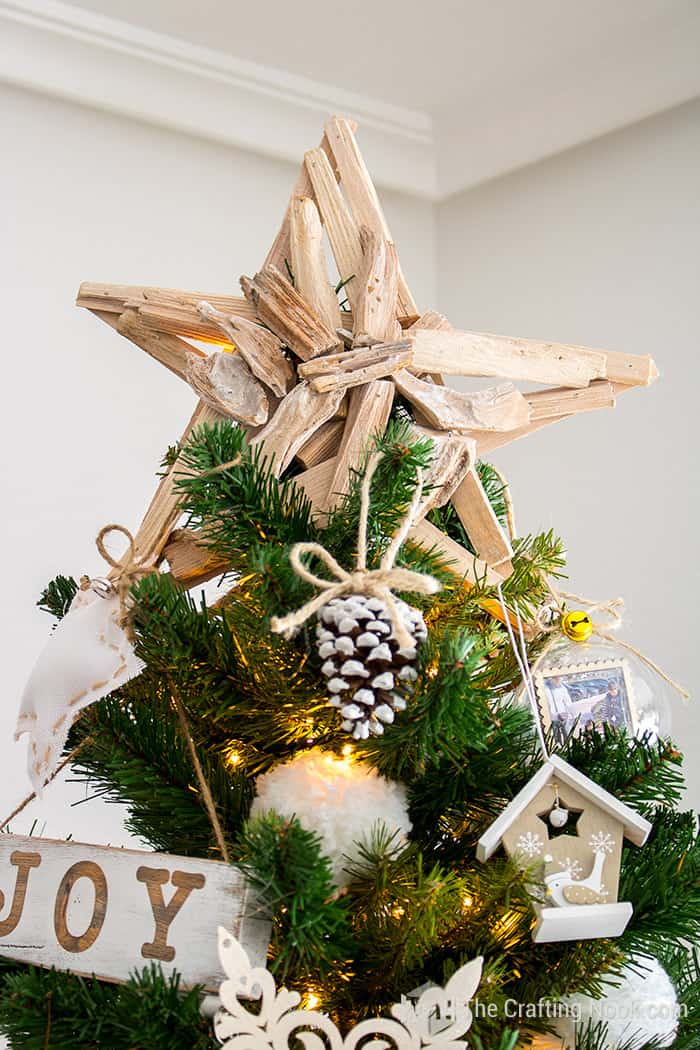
(328, 470)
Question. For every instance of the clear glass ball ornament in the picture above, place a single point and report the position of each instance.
(583, 684)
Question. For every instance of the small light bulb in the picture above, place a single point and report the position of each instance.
(233, 758)
(467, 902)
(312, 1000)
(347, 751)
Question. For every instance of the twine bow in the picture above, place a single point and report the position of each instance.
(126, 571)
(374, 583)
(612, 609)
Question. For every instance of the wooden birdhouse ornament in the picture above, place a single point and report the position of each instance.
(571, 831)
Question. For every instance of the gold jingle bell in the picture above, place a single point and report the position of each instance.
(577, 625)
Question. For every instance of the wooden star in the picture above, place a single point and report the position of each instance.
(312, 381)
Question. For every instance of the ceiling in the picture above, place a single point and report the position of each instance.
(482, 87)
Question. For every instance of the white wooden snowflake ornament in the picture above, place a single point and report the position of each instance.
(439, 1019)
(578, 864)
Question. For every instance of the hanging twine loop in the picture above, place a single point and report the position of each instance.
(611, 610)
(126, 571)
(373, 583)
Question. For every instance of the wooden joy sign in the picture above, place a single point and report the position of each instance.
(94, 909)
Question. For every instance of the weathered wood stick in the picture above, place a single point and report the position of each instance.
(298, 416)
(280, 248)
(308, 262)
(361, 194)
(368, 414)
(456, 558)
(222, 380)
(225, 382)
(483, 528)
(191, 562)
(323, 443)
(176, 310)
(431, 319)
(372, 363)
(374, 309)
(630, 369)
(479, 354)
(288, 315)
(501, 407)
(262, 351)
(545, 404)
(341, 227)
(315, 483)
(453, 456)
(164, 509)
(169, 350)
(489, 441)
(171, 310)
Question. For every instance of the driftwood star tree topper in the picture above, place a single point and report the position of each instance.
(312, 381)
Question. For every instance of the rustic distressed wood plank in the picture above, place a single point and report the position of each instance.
(483, 528)
(309, 262)
(355, 367)
(297, 417)
(282, 309)
(368, 414)
(481, 354)
(262, 351)
(545, 404)
(362, 196)
(374, 308)
(501, 407)
(323, 443)
(341, 227)
(95, 909)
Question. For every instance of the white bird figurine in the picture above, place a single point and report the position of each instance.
(563, 888)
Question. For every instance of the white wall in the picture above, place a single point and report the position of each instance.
(599, 246)
(85, 416)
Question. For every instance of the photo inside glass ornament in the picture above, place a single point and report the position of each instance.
(580, 685)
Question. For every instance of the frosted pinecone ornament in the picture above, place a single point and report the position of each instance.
(369, 674)
(367, 637)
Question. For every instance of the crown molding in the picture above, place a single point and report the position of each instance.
(70, 53)
(619, 83)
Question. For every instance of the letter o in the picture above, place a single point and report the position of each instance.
(84, 869)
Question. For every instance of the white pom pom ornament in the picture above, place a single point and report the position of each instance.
(340, 799)
(642, 1007)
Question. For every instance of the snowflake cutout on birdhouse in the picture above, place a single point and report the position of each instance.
(530, 844)
(580, 869)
